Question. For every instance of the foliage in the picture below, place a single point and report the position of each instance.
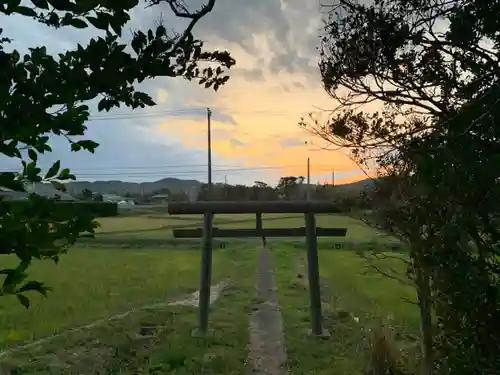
(45, 95)
(86, 194)
(431, 66)
(289, 187)
(92, 208)
(349, 196)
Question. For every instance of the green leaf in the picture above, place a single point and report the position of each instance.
(144, 98)
(14, 278)
(61, 4)
(116, 25)
(25, 11)
(79, 24)
(24, 300)
(53, 170)
(100, 22)
(32, 154)
(88, 145)
(42, 4)
(35, 286)
(10, 180)
(65, 175)
(75, 147)
(106, 104)
(54, 19)
(31, 172)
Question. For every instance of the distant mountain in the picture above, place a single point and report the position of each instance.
(176, 185)
(358, 186)
(135, 188)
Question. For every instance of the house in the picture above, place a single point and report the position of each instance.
(112, 198)
(117, 199)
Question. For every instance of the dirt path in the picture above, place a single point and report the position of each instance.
(267, 353)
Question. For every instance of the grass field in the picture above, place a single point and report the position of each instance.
(159, 227)
(134, 261)
(92, 284)
(89, 284)
(355, 304)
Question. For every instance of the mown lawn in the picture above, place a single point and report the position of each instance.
(355, 304)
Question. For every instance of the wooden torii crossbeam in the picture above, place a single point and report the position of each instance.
(250, 232)
(252, 207)
(310, 231)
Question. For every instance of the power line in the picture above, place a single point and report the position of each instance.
(199, 171)
(125, 169)
(178, 174)
(113, 170)
(128, 116)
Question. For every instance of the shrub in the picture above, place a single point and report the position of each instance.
(92, 208)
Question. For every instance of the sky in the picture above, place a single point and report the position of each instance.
(255, 132)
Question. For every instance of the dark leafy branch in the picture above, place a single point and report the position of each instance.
(433, 69)
(43, 95)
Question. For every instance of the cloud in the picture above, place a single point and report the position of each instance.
(254, 116)
(292, 142)
(237, 143)
(252, 74)
(126, 152)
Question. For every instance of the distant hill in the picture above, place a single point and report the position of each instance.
(177, 185)
(121, 187)
(361, 184)
(357, 187)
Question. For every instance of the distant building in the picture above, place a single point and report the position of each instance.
(118, 199)
(113, 198)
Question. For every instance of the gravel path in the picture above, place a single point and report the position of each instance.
(267, 354)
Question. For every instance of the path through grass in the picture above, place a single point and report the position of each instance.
(89, 284)
(117, 348)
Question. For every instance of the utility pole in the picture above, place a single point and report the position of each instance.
(225, 180)
(308, 178)
(333, 177)
(209, 139)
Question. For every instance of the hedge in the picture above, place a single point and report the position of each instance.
(93, 208)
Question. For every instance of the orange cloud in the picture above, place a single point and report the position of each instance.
(266, 133)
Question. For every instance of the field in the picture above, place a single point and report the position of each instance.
(107, 290)
(355, 304)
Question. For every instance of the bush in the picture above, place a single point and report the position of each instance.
(97, 209)
(383, 357)
(92, 208)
